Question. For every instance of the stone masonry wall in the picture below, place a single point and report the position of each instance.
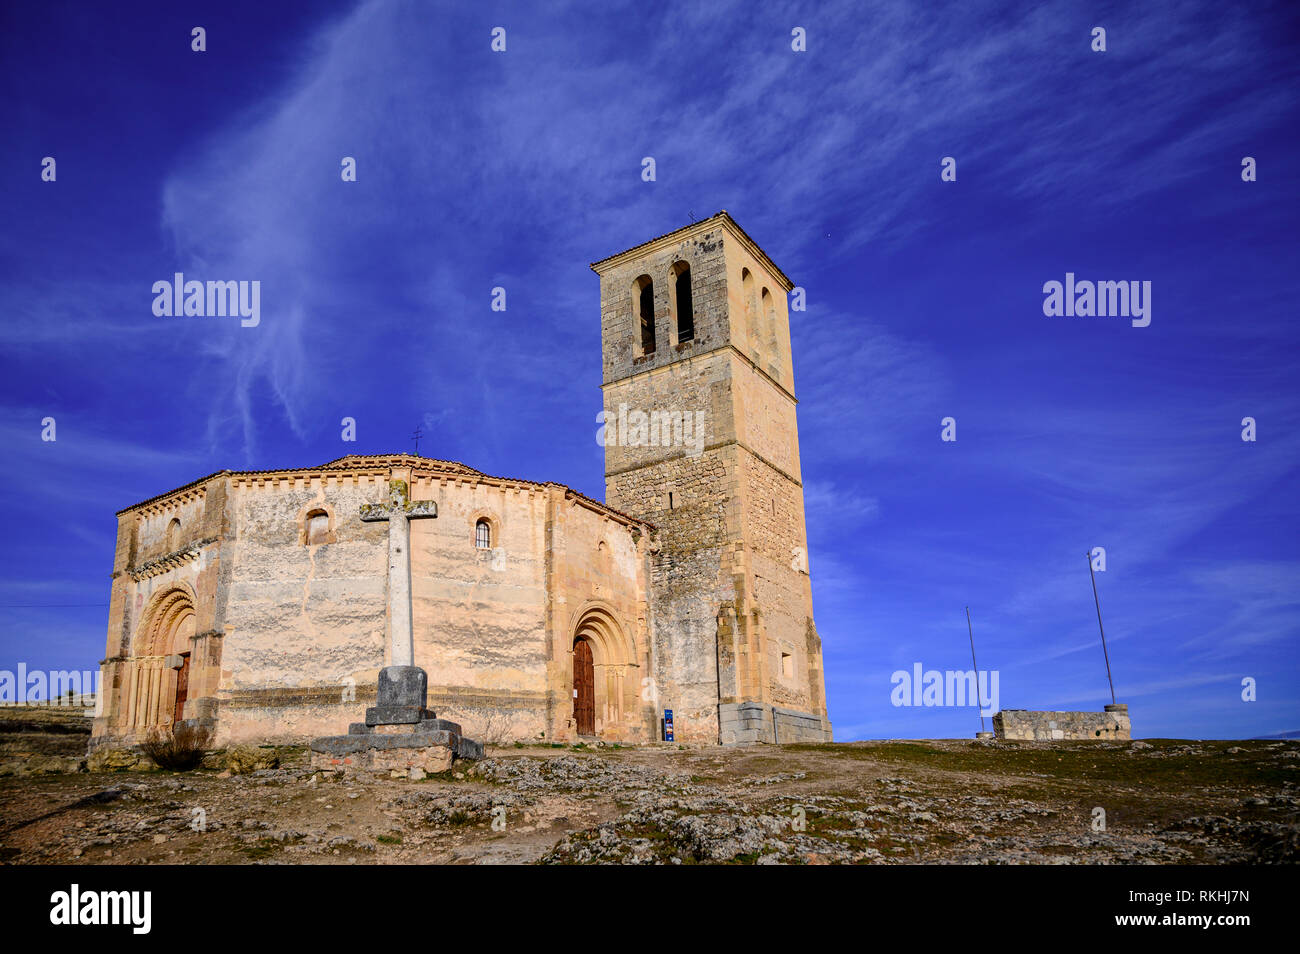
(1051, 726)
(687, 492)
(731, 601)
(600, 590)
(151, 562)
(291, 628)
(775, 556)
(479, 615)
(305, 624)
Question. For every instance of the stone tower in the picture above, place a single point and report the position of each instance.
(701, 441)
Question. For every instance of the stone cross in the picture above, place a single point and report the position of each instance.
(399, 511)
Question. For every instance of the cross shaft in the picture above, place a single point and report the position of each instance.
(399, 511)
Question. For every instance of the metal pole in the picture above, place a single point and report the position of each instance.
(979, 701)
(1093, 577)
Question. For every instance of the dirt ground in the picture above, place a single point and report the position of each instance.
(896, 802)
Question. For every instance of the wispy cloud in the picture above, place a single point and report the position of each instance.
(262, 198)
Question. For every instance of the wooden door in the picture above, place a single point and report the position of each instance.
(584, 688)
(182, 687)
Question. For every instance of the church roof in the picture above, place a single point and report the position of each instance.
(398, 460)
(385, 461)
(722, 217)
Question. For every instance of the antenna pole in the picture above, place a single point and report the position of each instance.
(978, 700)
(1104, 653)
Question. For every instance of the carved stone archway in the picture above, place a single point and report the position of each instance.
(615, 669)
(157, 673)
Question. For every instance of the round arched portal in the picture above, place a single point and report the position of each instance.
(157, 682)
(604, 668)
(168, 624)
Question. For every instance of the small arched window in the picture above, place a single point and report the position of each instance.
(318, 527)
(643, 300)
(769, 318)
(173, 534)
(483, 535)
(685, 305)
(750, 305)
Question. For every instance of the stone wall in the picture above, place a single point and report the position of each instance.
(688, 491)
(1025, 725)
(305, 622)
(731, 597)
(599, 591)
(746, 722)
(479, 615)
(167, 598)
(293, 628)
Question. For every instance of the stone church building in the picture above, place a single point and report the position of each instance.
(256, 602)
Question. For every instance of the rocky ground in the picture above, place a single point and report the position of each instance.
(933, 802)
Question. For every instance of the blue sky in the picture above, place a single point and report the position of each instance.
(478, 169)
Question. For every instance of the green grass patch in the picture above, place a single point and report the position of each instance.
(1161, 766)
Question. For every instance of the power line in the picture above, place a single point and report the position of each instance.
(51, 605)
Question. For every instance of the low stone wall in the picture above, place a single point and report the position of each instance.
(742, 722)
(1025, 725)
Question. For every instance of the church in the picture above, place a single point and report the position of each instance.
(257, 603)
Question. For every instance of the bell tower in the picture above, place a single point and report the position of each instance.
(701, 440)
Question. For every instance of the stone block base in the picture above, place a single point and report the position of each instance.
(431, 724)
(430, 758)
(396, 715)
(399, 734)
(743, 722)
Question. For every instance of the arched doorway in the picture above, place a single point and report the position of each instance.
(158, 679)
(605, 676)
(584, 688)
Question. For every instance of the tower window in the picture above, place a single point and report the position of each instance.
(173, 534)
(685, 304)
(787, 665)
(769, 320)
(318, 527)
(483, 535)
(750, 305)
(643, 292)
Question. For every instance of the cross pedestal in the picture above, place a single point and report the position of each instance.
(400, 732)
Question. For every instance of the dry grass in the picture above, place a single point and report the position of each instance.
(180, 749)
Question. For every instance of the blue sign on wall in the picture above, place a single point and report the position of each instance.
(668, 725)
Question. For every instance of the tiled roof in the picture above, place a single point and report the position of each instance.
(401, 460)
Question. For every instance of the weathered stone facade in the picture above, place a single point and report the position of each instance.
(729, 577)
(260, 600)
(285, 634)
(1025, 725)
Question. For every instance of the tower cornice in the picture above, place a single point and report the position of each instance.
(723, 219)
